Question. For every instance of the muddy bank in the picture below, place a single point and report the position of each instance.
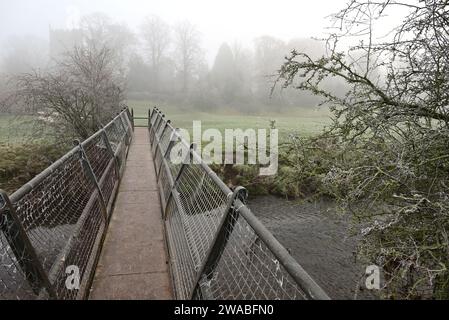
(319, 240)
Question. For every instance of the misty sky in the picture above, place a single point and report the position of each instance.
(217, 20)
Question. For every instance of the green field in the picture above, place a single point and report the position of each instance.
(303, 121)
(16, 132)
(306, 122)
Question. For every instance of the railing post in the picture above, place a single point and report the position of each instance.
(156, 124)
(130, 114)
(160, 126)
(155, 112)
(184, 164)
(161, 119)
(153, 125)
(91, 176)
(158, 145)
(150, 127)
(127, 139)
(128, 119)
(151, 112)
(132, 118)
(155, 135)
(224, 230)
(111, 152)
(23, 250)
(178, 176)
(169, 147)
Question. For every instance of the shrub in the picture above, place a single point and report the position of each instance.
(19, 163)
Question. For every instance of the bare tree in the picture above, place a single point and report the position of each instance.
(81, 93)
(98, 31)
(414, 62)
(268, 54)
(393, 126)
(156, 35)
(187, 51)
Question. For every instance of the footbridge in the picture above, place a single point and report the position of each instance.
(115, 218)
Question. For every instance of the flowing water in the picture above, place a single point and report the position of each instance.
(319, 240)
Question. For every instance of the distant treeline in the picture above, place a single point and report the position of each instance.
(166, 63)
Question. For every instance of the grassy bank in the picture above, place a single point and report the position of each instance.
(26, 149)
(297, 175)
(14, 129)
(17, 141)
(19, 163)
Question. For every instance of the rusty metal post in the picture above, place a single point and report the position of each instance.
(154, 125)
(21, 246)
(221, 238)
(188, 160)
(130, 114)
(111, 152)
(127, 138)
(91, 176)
(169, 147)
(158, 124)
(158, 145)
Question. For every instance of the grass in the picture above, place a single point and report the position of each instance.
(307, 122)
(304, 121)
(17, 132)
(25, 150)
(15, 129)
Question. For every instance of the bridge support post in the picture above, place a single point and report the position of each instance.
(124, 129)
(176, 179)
(169, 147)
(150, 124)
(131, 115)
(20, 244)
(89, 172)
(158, 145)
(224, 230)
(153, 125)
(111, 152)
(158, 124)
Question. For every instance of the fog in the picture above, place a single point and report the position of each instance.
(218, 21)
(198, 53)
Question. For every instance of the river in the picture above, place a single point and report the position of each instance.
(319, 240)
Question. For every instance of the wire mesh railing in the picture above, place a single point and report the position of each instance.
(57, 221)
(217, 248)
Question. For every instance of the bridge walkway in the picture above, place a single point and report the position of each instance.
(133, 261)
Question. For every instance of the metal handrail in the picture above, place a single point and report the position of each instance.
(30, 185)
(21, 240)
(309, 287)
